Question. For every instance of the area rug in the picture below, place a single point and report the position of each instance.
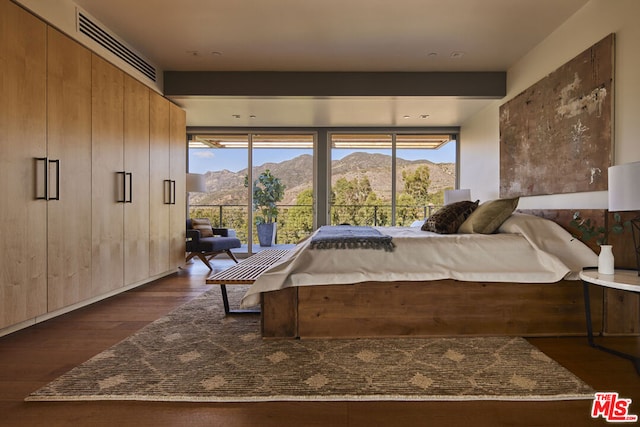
(196, 354)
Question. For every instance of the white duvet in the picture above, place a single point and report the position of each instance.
(527, 249)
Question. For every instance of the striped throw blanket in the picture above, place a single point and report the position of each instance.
(350, 237)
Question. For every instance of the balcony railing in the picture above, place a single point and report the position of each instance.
(296, 221)
(379, 215)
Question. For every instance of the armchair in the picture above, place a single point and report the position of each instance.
(205, 242)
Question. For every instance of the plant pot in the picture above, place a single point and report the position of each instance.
(266, 233)
(605, 260)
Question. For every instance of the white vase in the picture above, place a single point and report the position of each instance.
(605, 260)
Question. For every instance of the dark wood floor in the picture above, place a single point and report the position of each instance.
(32, 357)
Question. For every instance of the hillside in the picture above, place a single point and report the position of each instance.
(297, 174)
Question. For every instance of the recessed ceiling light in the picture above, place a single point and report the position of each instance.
(216, 53)
(236, 116)
(457, 55)
(406, 117)
(252, 116)
(424, 116)
(432, 54)
(193, 52)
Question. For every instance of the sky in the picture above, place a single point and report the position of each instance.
(235, 159)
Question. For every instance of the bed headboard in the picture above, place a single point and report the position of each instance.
(622, 243)
(563, 217)
(621, 309)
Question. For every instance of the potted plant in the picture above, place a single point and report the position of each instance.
(267, 191)
(589, 231)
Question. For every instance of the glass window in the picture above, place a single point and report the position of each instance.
(384, 179)
(361, 179)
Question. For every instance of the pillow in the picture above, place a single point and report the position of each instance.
(489, 216)
(203, 226)
(448, 218)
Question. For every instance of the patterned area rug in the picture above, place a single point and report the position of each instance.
(196, 354)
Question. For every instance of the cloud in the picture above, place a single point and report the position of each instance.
(205, 154)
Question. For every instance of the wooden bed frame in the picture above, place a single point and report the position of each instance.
(446, 307)
(436, 308)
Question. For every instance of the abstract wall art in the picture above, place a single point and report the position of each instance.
(556, 136)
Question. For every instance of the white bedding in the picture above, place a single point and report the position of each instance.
(527, 249)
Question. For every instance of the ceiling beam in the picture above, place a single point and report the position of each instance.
(485, 85)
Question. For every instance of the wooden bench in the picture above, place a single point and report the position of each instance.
(245, 273)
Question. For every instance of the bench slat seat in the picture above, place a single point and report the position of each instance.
(245, 273)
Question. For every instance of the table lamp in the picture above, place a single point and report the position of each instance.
(452, 196)
(624, 195)
(196, 183)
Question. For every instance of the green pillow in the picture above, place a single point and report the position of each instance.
(489, 216)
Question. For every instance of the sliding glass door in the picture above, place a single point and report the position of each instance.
(254, 179)
(223, 160)
(282, 174)
(361, 179)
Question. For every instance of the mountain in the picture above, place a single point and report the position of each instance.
(227, 187)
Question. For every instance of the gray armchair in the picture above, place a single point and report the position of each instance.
(205, 242)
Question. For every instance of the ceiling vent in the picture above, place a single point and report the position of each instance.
(90, 28)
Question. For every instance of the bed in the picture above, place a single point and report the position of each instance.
(521, 280)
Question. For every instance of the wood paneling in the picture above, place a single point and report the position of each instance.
(23, 221)
(62, 103)
(178, 166)
(69, 141)
(107, 160)
(279, 313)
(159, 240)
(445, 307)
(136, 162)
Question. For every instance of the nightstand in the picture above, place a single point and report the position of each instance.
(624, 280)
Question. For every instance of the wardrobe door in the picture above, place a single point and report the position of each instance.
(108, 177)
(136, 166)
(178, 167)
(23, 218)
(160, 185)
(69, 155)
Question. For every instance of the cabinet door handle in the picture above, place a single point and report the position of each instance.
(57, 163)
(173, 192)
(45, 179)
(121, 184)
(130, 175)
(166, 192)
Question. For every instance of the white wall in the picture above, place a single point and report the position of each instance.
(480, 136)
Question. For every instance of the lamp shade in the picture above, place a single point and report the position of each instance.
(196, 183)
(624, 187)
(452, 196)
